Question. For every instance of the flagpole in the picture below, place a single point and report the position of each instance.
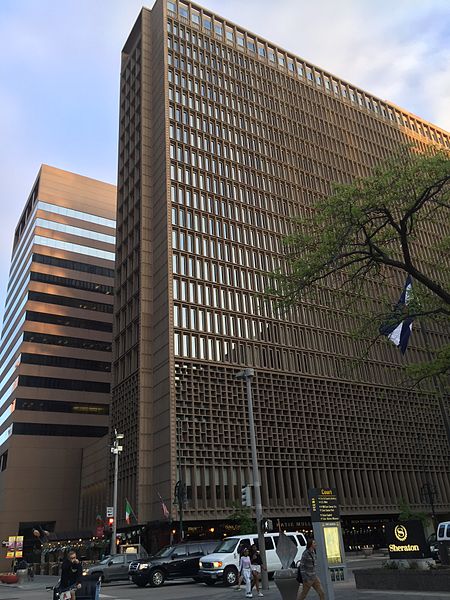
(437, 384)
(134, 514)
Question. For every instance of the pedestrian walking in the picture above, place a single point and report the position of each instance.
(245, 569)
(257, 566)
(241, 549)
(308, 571)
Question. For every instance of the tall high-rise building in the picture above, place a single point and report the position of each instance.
(55, 352)
(224, 137)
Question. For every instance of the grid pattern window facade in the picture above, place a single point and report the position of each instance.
(253, 137)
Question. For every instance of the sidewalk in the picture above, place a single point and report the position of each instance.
(40, 582)
(344, 591)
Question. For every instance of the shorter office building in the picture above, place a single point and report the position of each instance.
(55, 354)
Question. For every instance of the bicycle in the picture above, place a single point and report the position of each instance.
(63, 594)
(88, 590)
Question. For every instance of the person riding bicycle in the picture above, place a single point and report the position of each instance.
(71, 573)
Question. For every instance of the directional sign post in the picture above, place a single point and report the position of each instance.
(326, 523)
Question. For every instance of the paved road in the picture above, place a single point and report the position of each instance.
(192, 591)
(188, 590)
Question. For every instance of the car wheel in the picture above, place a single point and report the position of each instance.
(210, 582)
(157, 578)
(230, 576)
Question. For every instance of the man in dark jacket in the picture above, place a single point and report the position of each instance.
(308, 571)
(71, 573)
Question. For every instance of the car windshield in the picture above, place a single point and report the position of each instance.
(106, 560)
(227, 546)
(164, 552)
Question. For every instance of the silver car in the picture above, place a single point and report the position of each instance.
(112, 568)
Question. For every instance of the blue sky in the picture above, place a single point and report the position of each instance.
(59, 73)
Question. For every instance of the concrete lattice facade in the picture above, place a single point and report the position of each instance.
(225, 137)
(56, 353)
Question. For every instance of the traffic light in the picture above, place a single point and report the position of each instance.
(110, 522)
(246, 495)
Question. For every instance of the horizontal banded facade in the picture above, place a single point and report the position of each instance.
(56, 348)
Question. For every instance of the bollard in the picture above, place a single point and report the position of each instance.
(22, 576)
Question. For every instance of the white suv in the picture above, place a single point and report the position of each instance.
(223, 565)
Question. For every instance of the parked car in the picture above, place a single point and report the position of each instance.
(443, 532)
(443, 541)
(223, 565)
(112, 568)
(171, 562)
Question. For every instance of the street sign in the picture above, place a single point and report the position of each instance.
(324, 505)
(324, 508)
(109, 511)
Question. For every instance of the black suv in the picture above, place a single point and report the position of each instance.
(172, 562)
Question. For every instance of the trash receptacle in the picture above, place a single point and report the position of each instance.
(286, 582)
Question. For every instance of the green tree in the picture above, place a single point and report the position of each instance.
(407, 514)
(242, 516)
(376, 231)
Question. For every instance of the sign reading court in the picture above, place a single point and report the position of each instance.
(406, 540)
(324, 505)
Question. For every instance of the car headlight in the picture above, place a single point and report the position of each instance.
(217, 564)
(85, 571)
(143, 566)
(200, 564)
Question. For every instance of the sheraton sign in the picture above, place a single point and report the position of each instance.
(406, 540)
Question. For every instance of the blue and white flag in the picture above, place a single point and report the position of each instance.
(399, 332)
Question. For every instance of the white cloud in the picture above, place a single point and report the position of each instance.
(398, 50)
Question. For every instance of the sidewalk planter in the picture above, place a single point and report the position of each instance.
(286, 582)
(408, 580)
(8, 578)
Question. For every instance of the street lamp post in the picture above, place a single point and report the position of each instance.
(116, 449)
(247, 375)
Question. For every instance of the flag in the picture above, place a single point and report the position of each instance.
(164, 508)
(399, 329)
(128, 511)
